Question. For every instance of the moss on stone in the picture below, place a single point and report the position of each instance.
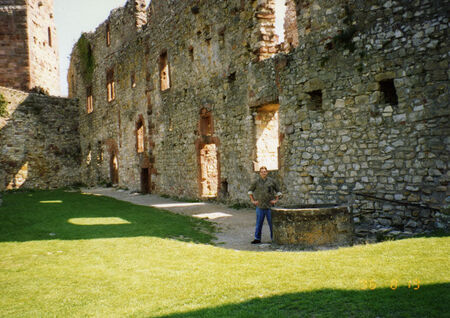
(3, 106)
(87, 60)
(345, 38)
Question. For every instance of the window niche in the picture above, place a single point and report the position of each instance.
(388, 92)
(164, 71)
(110, 85)
(99, 152)
(315, 100)
(206, 123)
(89, 100)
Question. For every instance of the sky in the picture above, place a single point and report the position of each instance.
(73, 17)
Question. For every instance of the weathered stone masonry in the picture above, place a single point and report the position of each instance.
(39, 141)
(360, 89)
(28, 45)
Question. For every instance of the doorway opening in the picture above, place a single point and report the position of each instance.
(267, 137)
(145, 180)
(209, 178)
(114, 169)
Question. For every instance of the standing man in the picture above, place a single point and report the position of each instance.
(264, 193)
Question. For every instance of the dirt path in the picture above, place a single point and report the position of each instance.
(236, 227)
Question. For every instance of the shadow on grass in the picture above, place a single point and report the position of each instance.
(436, 233)
(58, 214)
(427, 301)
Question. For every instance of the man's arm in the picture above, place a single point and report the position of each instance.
(250, 193)
(278, 193)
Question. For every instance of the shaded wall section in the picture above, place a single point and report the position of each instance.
(14, 62)
(39, 141)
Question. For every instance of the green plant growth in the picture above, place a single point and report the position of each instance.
(3, 106)
(344, 39)
(240, 205)
(87, 60)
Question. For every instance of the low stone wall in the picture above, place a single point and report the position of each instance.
(313, 226)
(39, 141)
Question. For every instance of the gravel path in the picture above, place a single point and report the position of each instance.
(235, 227)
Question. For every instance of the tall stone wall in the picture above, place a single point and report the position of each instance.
(43, 46)
(363, 103)
(39, 141)
(28, 45)
(362, 139)
(14, 63)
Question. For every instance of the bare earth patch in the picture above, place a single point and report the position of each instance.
(235, 227)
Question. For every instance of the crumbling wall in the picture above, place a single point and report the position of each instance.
(363, 103)
(39, 141)
(362, 139)
(28, 45)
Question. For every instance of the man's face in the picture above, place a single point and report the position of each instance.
(263, 173)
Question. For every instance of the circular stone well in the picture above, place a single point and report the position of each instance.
(313, 225)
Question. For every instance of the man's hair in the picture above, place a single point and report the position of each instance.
(263, 167)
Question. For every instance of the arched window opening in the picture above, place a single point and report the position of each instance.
(140, 136)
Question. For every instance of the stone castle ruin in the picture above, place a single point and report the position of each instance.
(189, 98)
(39, 140)
(28, 46)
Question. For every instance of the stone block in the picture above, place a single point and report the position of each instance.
(313, 226)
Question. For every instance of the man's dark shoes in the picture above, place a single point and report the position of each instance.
(256, 241)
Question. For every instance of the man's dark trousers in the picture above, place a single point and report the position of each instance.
(260, 215)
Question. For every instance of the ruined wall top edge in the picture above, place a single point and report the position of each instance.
(4, 89)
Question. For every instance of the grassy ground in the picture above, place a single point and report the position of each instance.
(65, 254)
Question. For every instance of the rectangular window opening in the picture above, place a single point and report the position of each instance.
(267, 137)
(89, 100)
(389, 92)
(206, 125)
(316, 102)
(164, 71)
(133, 80)
(110, 85)
(108, 34)
(49, 30)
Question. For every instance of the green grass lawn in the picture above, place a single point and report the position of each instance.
(67, 254)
